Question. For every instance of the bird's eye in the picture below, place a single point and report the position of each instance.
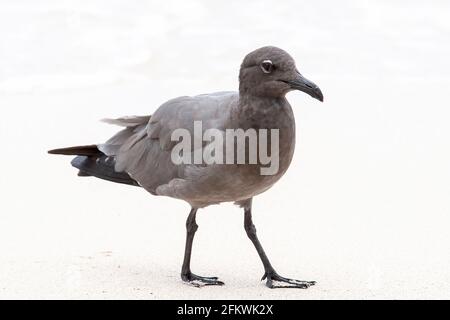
(267, 66)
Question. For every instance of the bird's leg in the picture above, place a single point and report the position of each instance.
(186, 274)
(273, 279)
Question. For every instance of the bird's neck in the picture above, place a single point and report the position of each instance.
(258, 111)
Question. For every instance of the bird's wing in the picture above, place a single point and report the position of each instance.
(143, 148)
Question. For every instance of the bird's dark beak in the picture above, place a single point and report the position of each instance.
(305, 85)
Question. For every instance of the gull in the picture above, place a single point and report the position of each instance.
(141, 154)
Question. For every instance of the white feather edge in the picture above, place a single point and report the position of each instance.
(129, 121)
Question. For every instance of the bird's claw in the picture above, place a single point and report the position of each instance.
(274, 278)
(198, 281)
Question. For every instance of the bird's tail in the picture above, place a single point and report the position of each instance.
(92, 162)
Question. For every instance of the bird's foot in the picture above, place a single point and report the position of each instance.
(275, 281)
(198, 282)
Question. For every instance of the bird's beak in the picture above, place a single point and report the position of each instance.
(305, 85)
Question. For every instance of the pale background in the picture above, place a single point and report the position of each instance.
(364, 209)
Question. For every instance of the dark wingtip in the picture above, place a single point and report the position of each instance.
(90, 150)
(59, 152)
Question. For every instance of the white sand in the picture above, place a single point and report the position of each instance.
(364, 209)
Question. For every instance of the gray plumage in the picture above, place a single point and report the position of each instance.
(141, 152)
(144, 151)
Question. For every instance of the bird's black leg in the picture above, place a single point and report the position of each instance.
(186, 274)
(273, 279)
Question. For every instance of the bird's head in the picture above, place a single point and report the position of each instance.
(271, 72)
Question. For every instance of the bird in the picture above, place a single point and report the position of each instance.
(141, 154)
